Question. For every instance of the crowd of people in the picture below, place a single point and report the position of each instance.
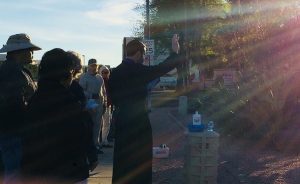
(52, 130)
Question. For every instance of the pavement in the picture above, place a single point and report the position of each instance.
(163, 125)
(103, 172)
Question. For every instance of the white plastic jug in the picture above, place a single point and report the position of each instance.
(196, 118)
(161, 152)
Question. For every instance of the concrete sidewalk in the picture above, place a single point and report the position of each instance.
(103, 173)
(163, 125)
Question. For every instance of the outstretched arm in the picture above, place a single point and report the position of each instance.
(150, 73)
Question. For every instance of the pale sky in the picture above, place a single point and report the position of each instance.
(94, 28)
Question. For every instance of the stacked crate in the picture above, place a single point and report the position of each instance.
(201, 157)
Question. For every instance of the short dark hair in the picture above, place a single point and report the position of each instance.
(134, 46)
(56, 64)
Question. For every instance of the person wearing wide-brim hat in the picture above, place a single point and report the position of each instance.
(16, 88)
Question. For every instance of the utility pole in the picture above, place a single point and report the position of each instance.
(239, 7)
(147, 35)
(185, 41)
(147, 29)
(84, 66)
(83, 56)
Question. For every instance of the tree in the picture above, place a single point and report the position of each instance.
(195, 24)
(237, 34)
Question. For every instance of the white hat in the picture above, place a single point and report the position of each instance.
(103, 67)
(18, 42)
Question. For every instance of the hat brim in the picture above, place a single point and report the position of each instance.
(92, 64)
(15, 47)
(103, 68)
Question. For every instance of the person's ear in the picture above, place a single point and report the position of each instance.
(140, 53)
(137, 55)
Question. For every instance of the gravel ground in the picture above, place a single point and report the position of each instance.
(239, 161)
(166, 131)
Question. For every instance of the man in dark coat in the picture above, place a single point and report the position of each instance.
(133, 138)
(16, 88)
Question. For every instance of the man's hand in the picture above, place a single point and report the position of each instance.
(175, 43)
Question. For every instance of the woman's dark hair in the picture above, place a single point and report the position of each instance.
(76, 57)
(56, 64)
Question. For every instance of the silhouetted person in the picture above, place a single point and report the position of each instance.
(75, 86)
(133, 138)
(79, 95)
(56, 138)
(16, 88)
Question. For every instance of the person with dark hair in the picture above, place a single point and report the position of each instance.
(133, 137)
(75, 86)
(78, 93)
(17, 87)
(56, 137)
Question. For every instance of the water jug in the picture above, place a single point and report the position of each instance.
(196, 119)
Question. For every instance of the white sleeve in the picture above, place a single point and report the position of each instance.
(102, 89)
(104, 92)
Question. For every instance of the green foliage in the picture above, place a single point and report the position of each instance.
(236, 114)
(257, 38)
(168, 17)
(232, 33)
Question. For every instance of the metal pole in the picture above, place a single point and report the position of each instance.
(84, 66)
(148, 19)
(147, 35)
(239, 7)
(83, 59)
(187, 69)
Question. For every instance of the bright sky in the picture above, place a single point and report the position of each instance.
(94, 28)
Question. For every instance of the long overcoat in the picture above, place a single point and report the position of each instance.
(133, 136)
(56, 137)
(16, 88)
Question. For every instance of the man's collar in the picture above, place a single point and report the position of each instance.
(92, 73)
(15, 64)
(128, 61)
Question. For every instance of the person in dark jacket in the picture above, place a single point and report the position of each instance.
(78, 92)
(56, 138)
(133, 139)
(75, 87)
(16, 88)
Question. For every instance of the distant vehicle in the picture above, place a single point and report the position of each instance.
(167, 82)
